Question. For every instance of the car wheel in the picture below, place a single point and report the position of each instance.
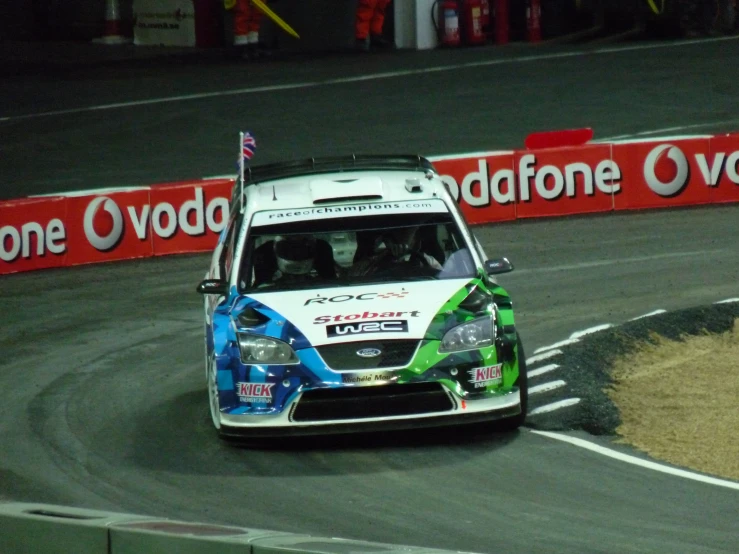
(215, 412)
(206, 357)
(522, 382)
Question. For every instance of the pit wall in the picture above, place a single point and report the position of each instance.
(186, 217)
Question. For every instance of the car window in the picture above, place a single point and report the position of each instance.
(347, 251)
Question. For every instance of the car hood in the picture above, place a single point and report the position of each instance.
(358, 313)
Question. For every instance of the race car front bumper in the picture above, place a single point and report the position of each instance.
(324, 418)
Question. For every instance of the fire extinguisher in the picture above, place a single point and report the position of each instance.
(474, 32)
(447, 24)
(500, 15)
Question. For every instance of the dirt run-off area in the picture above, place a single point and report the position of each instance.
(666, 384)
(679, 400)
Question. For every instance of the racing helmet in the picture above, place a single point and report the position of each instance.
(401, 241)
(295, 254)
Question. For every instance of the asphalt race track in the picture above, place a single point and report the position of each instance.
(104, 403)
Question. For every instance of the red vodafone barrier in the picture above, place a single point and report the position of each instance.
(566, 181)
(32, 234)
(107, 227)
(721, 169)
(483, 185)
(169, 218)
(186, 217)
(661, 173)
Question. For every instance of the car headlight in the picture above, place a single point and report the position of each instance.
(256, 349)
(468, 336)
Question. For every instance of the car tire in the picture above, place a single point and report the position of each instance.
(213, 401)
(522, 382)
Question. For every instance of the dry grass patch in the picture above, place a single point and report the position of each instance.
(679, 401)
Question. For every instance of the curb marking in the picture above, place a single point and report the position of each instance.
(579, 334)
(650, 314)
(554, 406)
(638, 461)
(541, 370)
(544, 356)
(546, 387)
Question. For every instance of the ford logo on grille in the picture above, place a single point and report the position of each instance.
(369, 352)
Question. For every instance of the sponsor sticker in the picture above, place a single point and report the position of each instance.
(363, 316)
(348, 297)
(255, 392)
(368, 377)
(365, 327)
(481, 377)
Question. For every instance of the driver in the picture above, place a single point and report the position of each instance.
(402, 245)
(295, 255)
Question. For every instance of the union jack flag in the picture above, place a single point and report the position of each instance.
(249, 146)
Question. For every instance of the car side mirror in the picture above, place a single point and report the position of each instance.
(213, 286)
(498, 266)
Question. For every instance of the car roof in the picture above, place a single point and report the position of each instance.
(318, 182)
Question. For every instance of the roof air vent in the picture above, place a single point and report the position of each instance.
(413, 185)
(363, 188)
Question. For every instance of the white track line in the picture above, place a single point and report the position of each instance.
(579, 334)
(554, 406)
(727, 301)
(541, 370)
(668, 130)
(638, 461)
(546, 387)
(534, 359)
(617, 261)
(650, 314)
(372, 77)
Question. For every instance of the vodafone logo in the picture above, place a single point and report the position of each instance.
(103, 223)
(666, 170)
(482, 187)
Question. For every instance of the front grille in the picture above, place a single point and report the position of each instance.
(365, 402)
(344, 357)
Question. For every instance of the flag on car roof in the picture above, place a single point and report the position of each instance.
(248, 146)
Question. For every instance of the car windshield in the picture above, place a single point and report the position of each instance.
(354, 250)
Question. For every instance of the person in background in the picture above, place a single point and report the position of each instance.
(369, 20)
(247, 20)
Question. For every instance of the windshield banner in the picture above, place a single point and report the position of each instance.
(273, 217)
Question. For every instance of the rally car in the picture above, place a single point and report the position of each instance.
(349, 294)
